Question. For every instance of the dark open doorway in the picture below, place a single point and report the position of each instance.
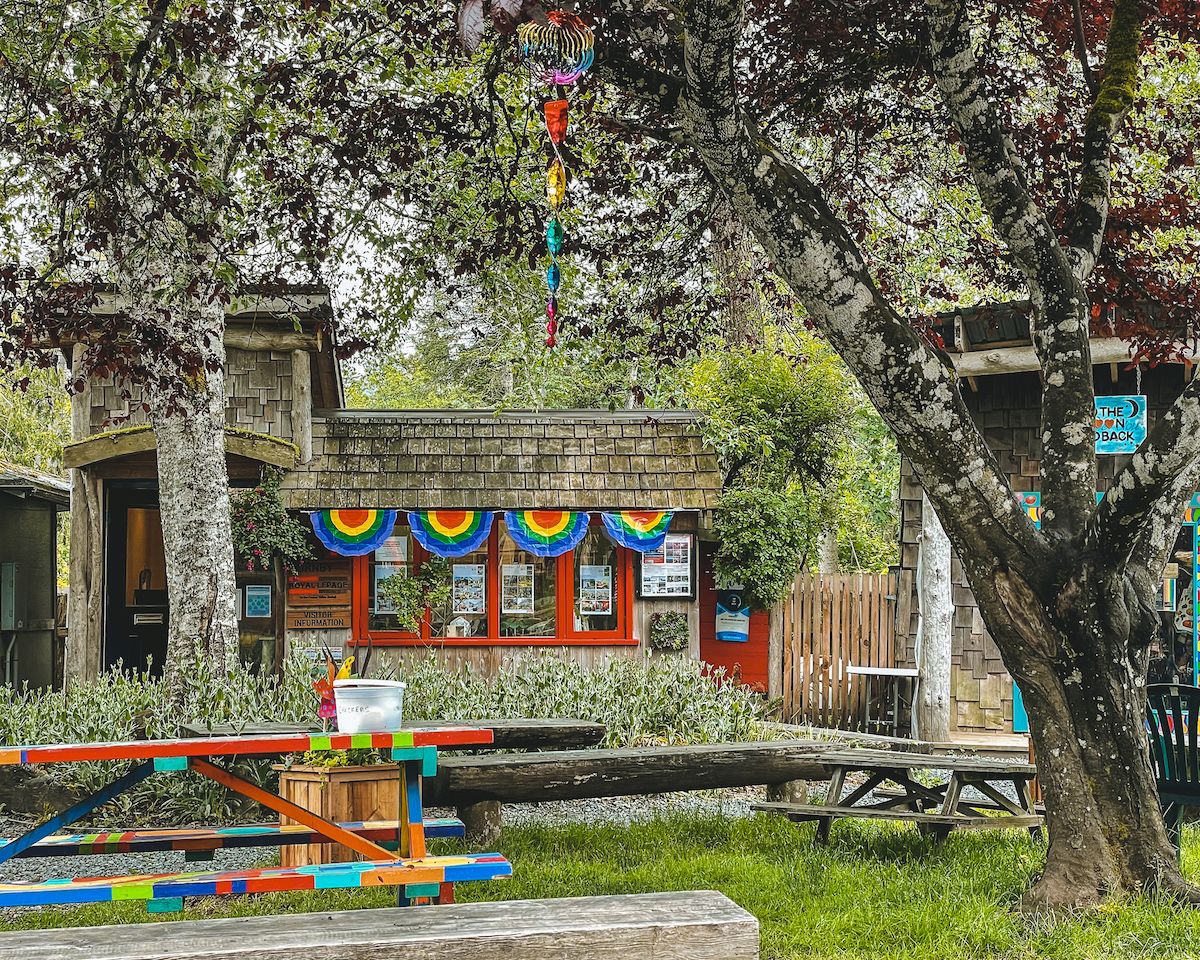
(136, 579)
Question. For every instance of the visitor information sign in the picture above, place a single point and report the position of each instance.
(1120, 424)
(733, 617)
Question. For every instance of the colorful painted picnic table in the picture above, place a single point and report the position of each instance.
(403, 862)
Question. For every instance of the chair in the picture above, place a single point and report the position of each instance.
(1172, 712)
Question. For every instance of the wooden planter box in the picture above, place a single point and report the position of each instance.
(338, 794)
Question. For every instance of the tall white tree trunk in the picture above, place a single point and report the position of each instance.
(935, 635)
(170, 283)
(827, 551)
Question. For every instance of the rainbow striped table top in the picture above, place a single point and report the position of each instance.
(232, 746)
(326, 876)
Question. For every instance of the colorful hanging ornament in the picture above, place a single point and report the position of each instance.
(546, 533)
(641, 530)
(451, 533)
(557, 53)
(353, 533)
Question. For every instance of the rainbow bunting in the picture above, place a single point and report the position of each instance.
(451, 533)
(641, 530)
(353, 533)
(546, 533)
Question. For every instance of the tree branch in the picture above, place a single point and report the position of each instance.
(813, 250)
(1059, 325)
(1081, 50)
(1112, 101)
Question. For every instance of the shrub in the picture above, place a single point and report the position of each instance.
(642, 700)
(669, 631)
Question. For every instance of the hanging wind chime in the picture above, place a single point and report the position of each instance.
(557, 54)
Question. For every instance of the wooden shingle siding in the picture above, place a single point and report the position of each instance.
(579, 459)
(1006, 407)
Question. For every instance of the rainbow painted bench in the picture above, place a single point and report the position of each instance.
(394, 852)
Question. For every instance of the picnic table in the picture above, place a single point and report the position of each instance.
(937, 807)
(407, 865)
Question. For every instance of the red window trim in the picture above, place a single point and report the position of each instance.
(565, 575)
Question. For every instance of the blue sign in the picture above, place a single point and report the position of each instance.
(1120, 424)
(733, 617)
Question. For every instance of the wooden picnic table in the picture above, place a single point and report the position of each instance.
(507, 734)
(407, 866)
(936, 807)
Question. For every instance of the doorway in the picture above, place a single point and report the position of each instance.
(136, 580)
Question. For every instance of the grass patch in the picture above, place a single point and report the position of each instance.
(877, 891)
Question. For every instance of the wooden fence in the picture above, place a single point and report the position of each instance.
(831, 623)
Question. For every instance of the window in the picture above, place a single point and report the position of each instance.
(597, 584)
(466, 615)
(528, 592)
(392, 559)
(501, 594)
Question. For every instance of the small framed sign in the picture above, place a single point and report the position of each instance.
(258, 601)
(669, 571)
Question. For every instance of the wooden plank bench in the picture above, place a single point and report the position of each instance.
(477, 786)
(199, 843)
(937, 808)
(690, 925)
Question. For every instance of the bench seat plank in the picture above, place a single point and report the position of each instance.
(220, 838)
(686, 925)
(805, 811)
(326, 876)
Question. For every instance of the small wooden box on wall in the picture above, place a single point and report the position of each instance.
(339, 794)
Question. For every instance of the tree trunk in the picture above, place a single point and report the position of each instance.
(827, 551)
(193, 491)
(935, 633)
(1082, 675)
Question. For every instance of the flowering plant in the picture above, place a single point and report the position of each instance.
(263, 530)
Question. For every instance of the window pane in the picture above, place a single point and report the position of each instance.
(528, 592)
(391, 559)
(597, 586)
(466, 613)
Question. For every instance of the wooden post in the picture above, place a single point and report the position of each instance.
(82, 657)
(302, 404)
(931, 712)
(482, 821)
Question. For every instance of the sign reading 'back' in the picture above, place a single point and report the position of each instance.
(1120, 424)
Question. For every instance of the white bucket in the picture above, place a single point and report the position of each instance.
(368, 706)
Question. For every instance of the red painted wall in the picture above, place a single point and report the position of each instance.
(747, 661)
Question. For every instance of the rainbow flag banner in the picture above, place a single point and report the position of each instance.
(641, 530)
(353, 533)
(546, 533)
(451, 533)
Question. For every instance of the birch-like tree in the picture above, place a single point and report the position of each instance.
(159, 156)
(1028, 150)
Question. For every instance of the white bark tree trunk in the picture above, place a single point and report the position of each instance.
(934, 639)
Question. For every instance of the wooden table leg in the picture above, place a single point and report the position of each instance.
(833, 797)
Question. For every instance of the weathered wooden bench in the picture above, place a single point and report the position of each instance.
(477, 786)
(693, 925)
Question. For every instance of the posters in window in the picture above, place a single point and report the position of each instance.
(667, 571)
(595, 589)
(516, 588)
(469, 588)
(391, 558)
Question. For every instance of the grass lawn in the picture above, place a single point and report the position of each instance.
(877, 891)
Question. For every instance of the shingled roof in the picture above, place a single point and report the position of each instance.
(571, 459)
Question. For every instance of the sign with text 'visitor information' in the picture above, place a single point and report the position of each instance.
(1120, 424)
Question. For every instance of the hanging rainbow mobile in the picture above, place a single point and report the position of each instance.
(353, 533)
(557, 54)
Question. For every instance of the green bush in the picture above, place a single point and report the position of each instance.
(641, 700)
